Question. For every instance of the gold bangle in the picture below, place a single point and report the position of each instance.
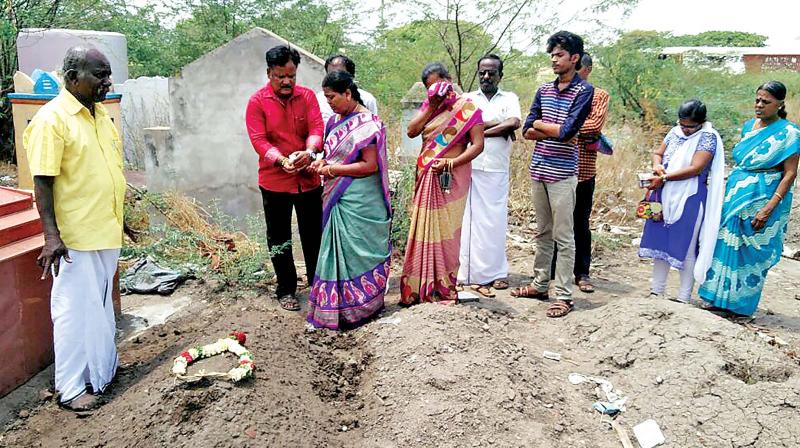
(778, 195)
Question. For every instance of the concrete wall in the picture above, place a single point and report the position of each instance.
(757, 63)
(145, 104)
(45, 48)
(211, 156)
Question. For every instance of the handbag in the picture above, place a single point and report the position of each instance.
(446, 177)
(650, 208)
(602, 145)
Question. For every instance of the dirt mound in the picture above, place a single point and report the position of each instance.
(444, 376)
(297, 398)
(455, 376)
(707, 381)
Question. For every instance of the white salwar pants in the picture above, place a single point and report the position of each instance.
(483, 232)
(83, 322)
(661, 268)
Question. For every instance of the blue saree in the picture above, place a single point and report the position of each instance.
(742, 255)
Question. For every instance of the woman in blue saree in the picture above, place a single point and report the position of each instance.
(755, 213)
(353, 263)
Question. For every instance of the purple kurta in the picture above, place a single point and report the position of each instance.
(671, 242)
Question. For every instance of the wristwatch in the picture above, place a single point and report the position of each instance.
(664, 177)
(314, 154)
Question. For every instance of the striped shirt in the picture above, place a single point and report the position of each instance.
(590, 131)
(556, 159)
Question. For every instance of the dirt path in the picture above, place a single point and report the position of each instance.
(470, 375)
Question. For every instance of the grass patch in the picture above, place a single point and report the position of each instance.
(185, 236)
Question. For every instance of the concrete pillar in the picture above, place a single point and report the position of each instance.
(159, 158)
(409, 147)
(411, 102)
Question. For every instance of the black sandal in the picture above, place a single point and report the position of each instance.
(289, 302)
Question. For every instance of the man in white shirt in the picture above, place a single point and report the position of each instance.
(483, 235)
(341, 62)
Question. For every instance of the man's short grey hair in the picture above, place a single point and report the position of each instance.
(75, 59)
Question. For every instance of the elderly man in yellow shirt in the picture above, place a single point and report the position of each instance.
(75, 158)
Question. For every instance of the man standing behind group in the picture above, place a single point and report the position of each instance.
(75, 156)
(558, 111)
(285, 128)
(483, 234)
(342, 63)
(584, 193)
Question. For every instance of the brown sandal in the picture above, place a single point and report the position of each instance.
(529, 292)
(559, 308)
(585, 285)
(484, 290)
(500, 284)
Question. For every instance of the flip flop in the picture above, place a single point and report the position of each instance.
(500, 284)
(484, 290)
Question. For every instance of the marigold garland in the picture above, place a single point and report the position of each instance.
(234, 343)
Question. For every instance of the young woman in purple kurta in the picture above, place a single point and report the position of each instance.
(681, 166)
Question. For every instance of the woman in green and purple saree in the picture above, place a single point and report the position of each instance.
(353, 264)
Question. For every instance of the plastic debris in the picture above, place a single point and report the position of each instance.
(551, 355)
(390, 320)
(648, 434)
(606, 408)
(604, 386)
(147, 277)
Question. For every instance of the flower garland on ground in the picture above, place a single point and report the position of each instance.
(234, 343)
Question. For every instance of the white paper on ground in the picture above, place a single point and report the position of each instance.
(466, 296)
(648, 434)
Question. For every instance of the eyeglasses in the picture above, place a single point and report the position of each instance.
(693, 127)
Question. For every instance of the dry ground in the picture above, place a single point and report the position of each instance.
(467, 375)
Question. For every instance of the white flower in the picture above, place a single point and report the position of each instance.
(179, 365)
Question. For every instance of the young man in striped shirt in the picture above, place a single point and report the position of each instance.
(556, 115)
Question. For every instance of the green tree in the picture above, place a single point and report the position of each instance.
(720, 39)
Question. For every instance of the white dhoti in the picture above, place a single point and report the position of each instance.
(83, 322)
(483, 233)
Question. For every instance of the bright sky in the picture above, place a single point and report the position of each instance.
(777, 19)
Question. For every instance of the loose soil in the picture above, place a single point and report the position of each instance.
(454, 376)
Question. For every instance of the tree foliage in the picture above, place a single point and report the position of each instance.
(660, 39)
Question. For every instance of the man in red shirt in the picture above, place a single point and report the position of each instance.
(285, 128)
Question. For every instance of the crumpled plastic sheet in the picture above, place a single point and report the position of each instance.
(614, 396)
(147, 277)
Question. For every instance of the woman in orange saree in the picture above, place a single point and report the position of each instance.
(452, 135)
